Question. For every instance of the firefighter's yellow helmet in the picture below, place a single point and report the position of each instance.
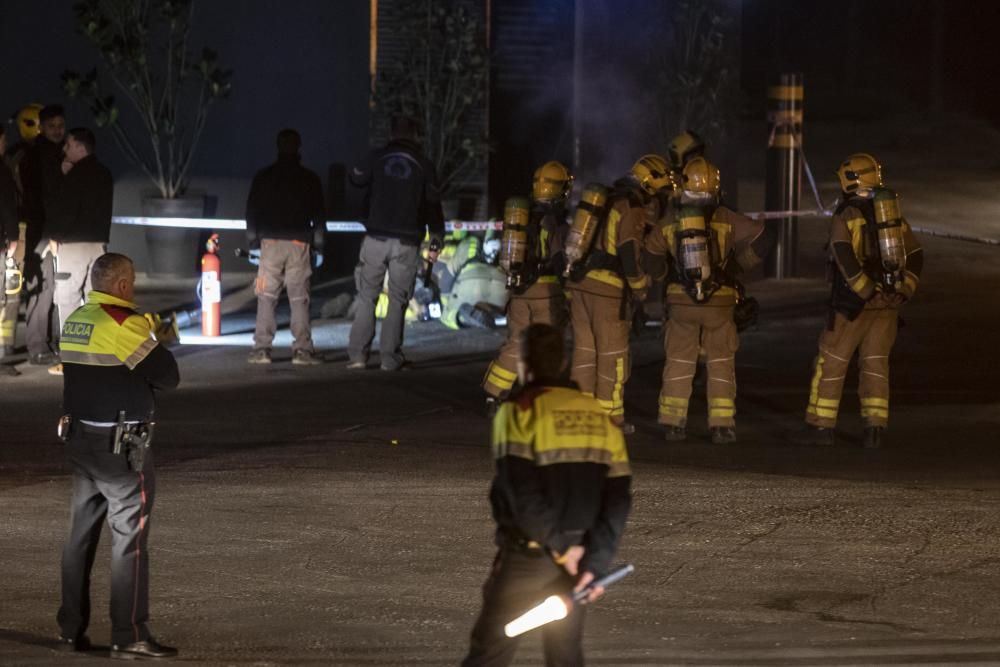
(701, 177)
(683, 148)
(653, 173)
(552, 182)
(860, 171)
(28, 124)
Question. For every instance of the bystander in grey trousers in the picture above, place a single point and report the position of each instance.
(401, 260)
(283, 264)
(73, 262)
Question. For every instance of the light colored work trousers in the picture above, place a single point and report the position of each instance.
(401, 261)
(600, 350)
(691, 329)
(73, 264)
(871, 335)
(522, 311)
(283, 264)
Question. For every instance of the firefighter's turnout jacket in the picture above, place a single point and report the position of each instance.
(111, 361)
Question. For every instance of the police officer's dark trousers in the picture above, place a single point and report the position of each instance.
(104, 487)
(520, 579)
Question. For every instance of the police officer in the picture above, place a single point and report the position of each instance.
(112, 366)
(876, 263)
(560, 498)
(608, 278)
(706, 245)
(286, 221)
(404, 201)
(535, 278)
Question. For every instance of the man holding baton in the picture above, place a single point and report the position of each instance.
(560, 497)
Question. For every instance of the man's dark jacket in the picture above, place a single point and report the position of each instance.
(83, 209)
(8, 206)
(403, 197)
(286, 202)
(41, 178)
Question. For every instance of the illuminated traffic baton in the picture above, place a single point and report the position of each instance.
(557, 607)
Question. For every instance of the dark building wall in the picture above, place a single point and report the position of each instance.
(531, 119)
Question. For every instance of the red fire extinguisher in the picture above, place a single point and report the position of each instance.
(210, 289)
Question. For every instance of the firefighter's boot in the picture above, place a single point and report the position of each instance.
(723, 435)
(813, 436)
(674, 433)
(873, 437)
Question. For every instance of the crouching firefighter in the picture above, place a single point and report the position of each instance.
(875, 263)
(112, 364)
(531, 254)
(560, 497)
(705, 246)
(606, 280)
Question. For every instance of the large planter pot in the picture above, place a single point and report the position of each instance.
(173, 251)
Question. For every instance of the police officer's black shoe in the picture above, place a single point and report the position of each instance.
(8, 370)
(674, 433)
(142, 650)
(723, 435)
(873, 437)
(81, 643)
(813, 436)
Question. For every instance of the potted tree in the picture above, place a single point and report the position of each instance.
(145, 60)
(440, 78)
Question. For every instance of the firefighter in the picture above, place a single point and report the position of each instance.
(606, 279)
(479, 292)
(113, 362)
(683, 148)
(876, 262)
(531, 253)
(560, 497)
(705, 246)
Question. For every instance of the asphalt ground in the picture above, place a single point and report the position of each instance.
(327, 517)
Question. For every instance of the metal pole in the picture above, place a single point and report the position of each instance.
(783, 185)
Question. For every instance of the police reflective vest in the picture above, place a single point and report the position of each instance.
(111, 361)
(561, 464)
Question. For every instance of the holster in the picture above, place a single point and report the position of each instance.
(137, 441)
